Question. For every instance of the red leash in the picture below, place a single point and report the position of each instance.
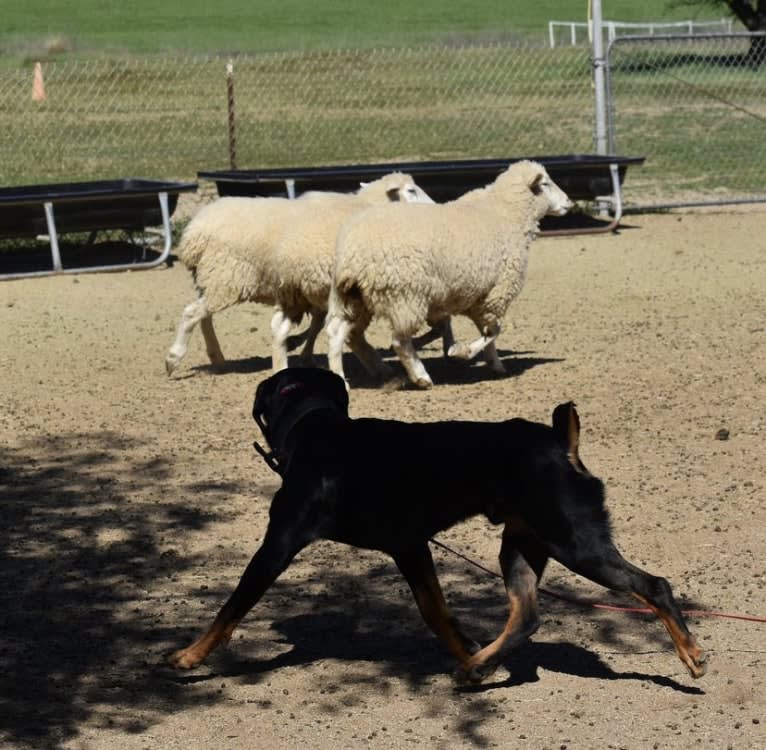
(597, 605)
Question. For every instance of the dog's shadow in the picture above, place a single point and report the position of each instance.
(336, 635)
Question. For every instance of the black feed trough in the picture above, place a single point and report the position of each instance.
(129, 205)
(584, 177)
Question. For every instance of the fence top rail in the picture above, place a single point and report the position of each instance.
(686, 38)
(645, 25)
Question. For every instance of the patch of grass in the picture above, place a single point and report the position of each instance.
(36, 27)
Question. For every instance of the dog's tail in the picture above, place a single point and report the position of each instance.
(566, 428)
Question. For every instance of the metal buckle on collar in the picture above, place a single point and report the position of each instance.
(268, 457)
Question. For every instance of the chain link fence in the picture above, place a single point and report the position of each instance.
(99, 119)
(169, 118)
(696, 107)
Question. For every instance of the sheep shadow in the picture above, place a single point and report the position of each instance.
(443, 370)
(446, 371)
(244, 366)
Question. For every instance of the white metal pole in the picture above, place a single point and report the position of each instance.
(599, 78)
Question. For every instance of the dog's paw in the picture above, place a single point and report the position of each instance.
(473, 674)
(697, 666)
(184, 658)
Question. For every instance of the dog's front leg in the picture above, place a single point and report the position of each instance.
(273, 556)
(522, 561)
(417, 566)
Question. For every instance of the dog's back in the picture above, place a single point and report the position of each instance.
(391, 481)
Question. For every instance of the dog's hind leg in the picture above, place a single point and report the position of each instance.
(274, 555)
(522, 561)
(607, 567)
(417, 566)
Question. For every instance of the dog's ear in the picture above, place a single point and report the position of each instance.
(566, 427)
(340, 392)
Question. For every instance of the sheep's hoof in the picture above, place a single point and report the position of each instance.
(171, 362)
(459, 350)
(396, 383)
(218, 361)
(424, 383)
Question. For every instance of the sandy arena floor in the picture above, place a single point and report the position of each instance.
(131, 503)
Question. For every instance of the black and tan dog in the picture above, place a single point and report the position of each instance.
(390, 486)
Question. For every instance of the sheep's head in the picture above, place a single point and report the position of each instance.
(548, 197)
(395, 187)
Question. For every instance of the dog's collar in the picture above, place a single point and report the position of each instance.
(276, 435)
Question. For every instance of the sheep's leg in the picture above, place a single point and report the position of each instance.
(195, 312)
(485, 343)
(337, 329)
(341, 331)
(492, 359)
(415, 369)
(442, 329)
(315, 326)
(280, 329)
(212, 347)
(368, 355)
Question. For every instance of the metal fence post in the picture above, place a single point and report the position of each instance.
(599, 78)
(232, 119)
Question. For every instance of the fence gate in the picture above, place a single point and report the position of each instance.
(696, 108)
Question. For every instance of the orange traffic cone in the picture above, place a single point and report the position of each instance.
(38, 86)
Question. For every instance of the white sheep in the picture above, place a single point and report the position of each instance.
(466, 257)
(237, 249)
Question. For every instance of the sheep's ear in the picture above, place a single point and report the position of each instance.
(535, 181)
(394, 194)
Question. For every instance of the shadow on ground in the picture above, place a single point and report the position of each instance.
(80, 555)
(94, 592)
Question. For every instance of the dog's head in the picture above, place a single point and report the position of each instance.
(283, 399)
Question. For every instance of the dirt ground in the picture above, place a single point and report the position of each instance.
(131, 503)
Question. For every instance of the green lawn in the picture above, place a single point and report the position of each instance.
(258, 25)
